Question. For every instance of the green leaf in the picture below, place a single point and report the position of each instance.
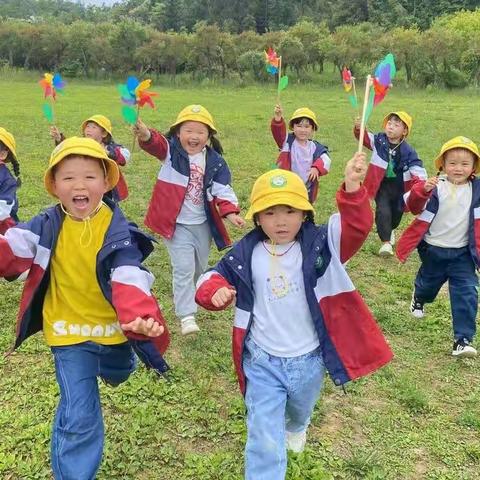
(282, 84)
(129, 114)
(48, 112)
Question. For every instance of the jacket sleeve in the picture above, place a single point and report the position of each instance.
(8, 192)
(118, 152)
(132, 297)
(279, 131)
(222, 192)
(416, 198)
(157, 145)
(211, 281)
(367, 137)
(321, 159)
(19, 247)
(350, 227)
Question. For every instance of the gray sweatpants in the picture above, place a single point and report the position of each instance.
(188, 250)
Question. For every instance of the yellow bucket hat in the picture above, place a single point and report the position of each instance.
(100, 120)
(403, 116)
(7, 139)
(303, 112)
(458, 142)
(195, 113)
(80, 146)
(278, 187)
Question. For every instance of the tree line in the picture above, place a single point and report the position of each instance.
(445, 54)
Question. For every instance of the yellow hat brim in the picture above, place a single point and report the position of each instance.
(279, 198)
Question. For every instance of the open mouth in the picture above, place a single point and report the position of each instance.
(80, 201)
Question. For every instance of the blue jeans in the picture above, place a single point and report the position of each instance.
(280, 396)
(78, 434)
(455, 265)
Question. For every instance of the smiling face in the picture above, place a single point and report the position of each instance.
(281, 223)
(193, 136)
(80, 183)
(303, 130)
(458, 164)
(395, 129)
(95, 131)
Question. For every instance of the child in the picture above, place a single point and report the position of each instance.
(86, 289)
(393, 169)
(297, 313)
(8, 184)
(446, 234)
(191, 197)
(99, 128)
(298, 152)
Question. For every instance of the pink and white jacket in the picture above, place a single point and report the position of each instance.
(171, 186)
(320, 159)
(425, 205)
(351, 342)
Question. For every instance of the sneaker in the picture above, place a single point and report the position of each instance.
(296, 441)
(386, 250)
(392, 238)
(463, 349)
(416, 307)
(189, 325)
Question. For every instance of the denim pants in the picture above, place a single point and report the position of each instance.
(188, 249)
(280, 396)
(78, 434)
(455, 265)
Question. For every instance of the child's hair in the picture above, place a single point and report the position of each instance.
(296, 121)
(214, 141)
(15, 165)
(460, 153)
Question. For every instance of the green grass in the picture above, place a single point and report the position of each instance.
(417, 418)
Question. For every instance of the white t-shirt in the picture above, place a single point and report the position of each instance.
(282, 322)
(193, 209)
(302, 158)
(449, 228)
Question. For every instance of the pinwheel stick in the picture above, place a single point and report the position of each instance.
(365, 103)
(134, 134)
(279, 77)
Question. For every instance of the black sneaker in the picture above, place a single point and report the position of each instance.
(463, 349)
(416, 307)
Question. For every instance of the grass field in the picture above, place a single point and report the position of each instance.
(418, 418)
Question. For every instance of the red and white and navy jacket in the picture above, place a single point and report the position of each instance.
(124, 281)
(171, 186)
(121, 155)
(8, 199)
(425, 205)
(320, 160)
(407, 164)
(351, 342)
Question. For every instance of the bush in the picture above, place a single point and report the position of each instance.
(454, 78)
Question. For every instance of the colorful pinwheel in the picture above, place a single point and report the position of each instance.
(51, 85)
(135, 93)
(273, 65)
(348, 85)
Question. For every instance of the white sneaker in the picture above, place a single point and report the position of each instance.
(463, 349)
(392, 238)
(386, 250)
(296, 441)
(189, 325)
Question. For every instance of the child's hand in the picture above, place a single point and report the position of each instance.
(313, 174)
(355, 172)
(55, 134)
(236, 219)
(357, 123)
(430, 184)
(148, 327)
(223, 297)
(278, 112)
(141, 131)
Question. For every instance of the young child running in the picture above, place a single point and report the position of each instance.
(99, 128)
(191, 197)
(86, 289)
(294, 304)
(8, 184)
(446, 234)
(393, 169)
(298, 152)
